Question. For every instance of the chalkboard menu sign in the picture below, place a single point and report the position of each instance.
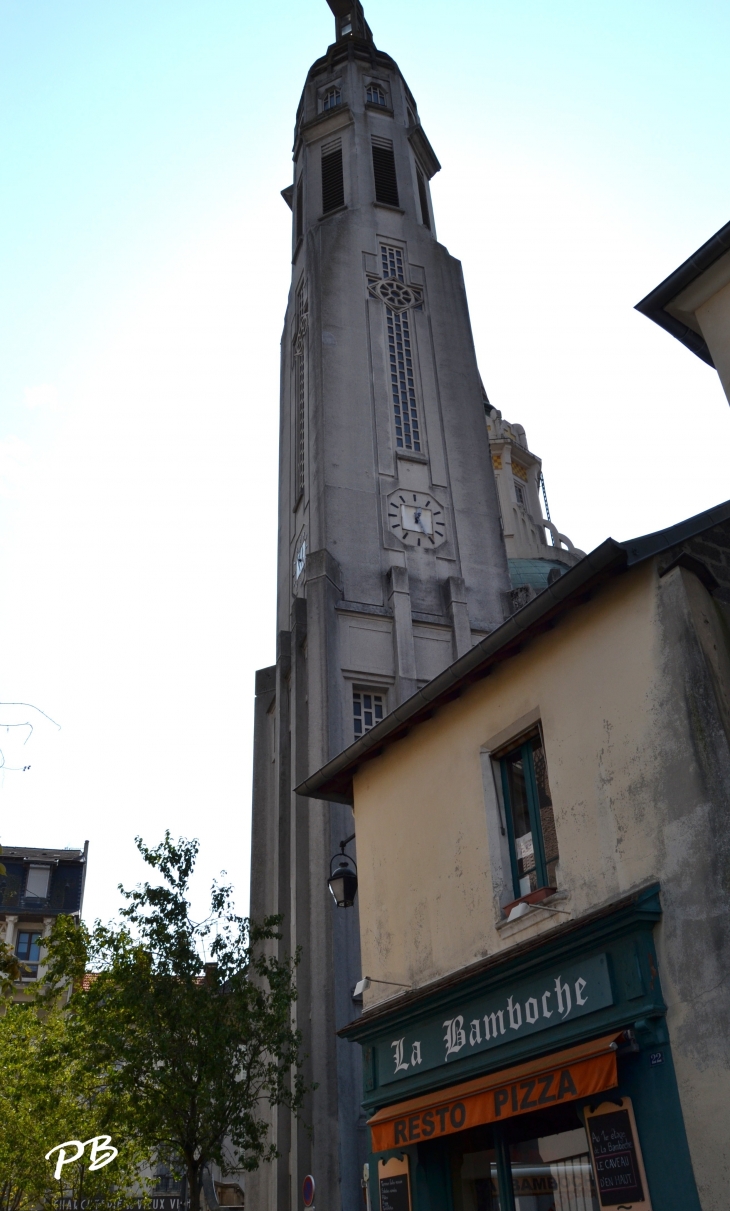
(393, 1179)
(394, 1193)
(617, 1163)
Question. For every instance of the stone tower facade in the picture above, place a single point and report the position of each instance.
(533, 565)
(391, 556)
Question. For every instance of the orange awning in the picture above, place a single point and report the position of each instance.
(564, 1076)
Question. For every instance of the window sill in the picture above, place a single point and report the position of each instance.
(532, 897)
(411, 456)
(387, 206)
(544, 914)
(328, 214)
(379, 109)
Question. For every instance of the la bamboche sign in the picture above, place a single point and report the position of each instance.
(483, 1022)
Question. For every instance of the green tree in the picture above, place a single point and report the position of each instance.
(47, 1096)
(9, 965)
(197, 1051)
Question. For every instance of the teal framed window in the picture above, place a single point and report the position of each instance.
(533, 842)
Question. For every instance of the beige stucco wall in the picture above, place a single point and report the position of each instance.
(627, 688)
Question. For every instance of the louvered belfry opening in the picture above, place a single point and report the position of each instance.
(333, 181)
(386, 183)
(423, 199)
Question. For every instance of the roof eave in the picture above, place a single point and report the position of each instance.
(334, 781)
(655, 304)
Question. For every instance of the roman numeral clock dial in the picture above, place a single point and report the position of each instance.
(418, 519)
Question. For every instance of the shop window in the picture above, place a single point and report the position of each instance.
(367, 710)
(550, 1172)
(554, 1171)
(28, 952)
(533, 842)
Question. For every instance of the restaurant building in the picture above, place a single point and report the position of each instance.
(544, 893)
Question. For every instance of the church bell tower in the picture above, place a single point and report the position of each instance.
(391, 556)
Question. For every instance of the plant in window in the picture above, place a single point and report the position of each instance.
(533, 841)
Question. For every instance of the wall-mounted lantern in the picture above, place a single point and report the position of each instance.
(343, 877)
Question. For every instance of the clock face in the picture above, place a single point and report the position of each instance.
(416, 518)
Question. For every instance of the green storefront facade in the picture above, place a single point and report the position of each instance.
(520, 1143)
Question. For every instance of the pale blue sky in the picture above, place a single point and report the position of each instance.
(144, 263)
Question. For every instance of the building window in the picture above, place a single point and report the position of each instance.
(165, 1183)
(28, 952)
(332, 98)
(533, 842)
(346, 27)
(300, 559)
(520, 494)
(386, 184)
(392, 262)
(299, 217)
(407, 434)
(367, 710)
(333, 181)
(423, 198)
(375, 95)
(300, 371)
(402, 383)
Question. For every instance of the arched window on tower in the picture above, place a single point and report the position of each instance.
(374, 95)
(332, 98)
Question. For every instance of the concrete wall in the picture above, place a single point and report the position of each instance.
(632, 692)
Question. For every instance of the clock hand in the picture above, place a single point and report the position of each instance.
(417, 519)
